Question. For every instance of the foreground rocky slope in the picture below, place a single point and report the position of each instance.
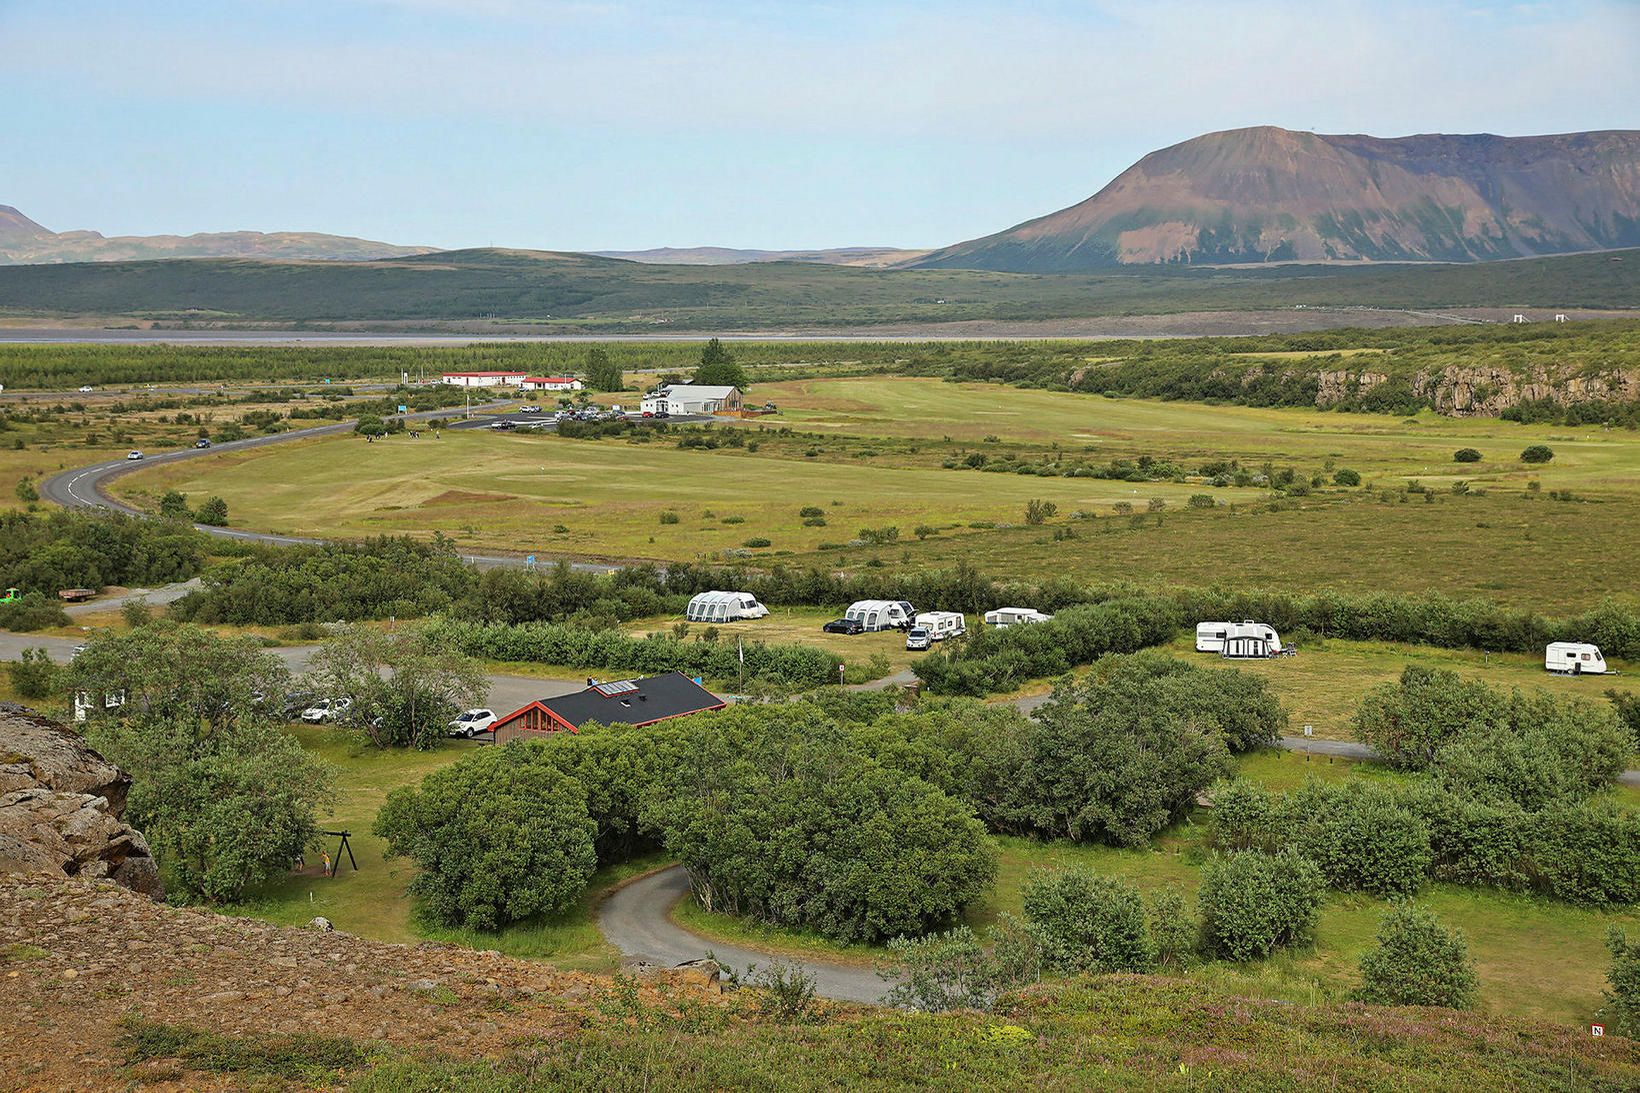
(62, 808)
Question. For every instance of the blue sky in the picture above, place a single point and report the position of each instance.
(601, 124)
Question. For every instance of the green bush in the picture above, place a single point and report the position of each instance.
(669, 517)
(1528, 748)
(1117, 758)
(1417, 962)
(1201, 501)
(1622, 1009)
(1466, 455)
(497, 837)
(1537, 453)
(1346, 477)
(1172, 929)
(26, 491)
(35, 676)
(213, 513)
(1253, 903)
(1627, 706)
(32, 612)
(777, 817)
(1089, 923)
(756, 542)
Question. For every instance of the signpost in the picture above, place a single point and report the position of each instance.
(529, 561)
(1597, 1030)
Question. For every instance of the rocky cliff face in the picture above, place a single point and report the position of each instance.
(1485, 390)
(62, 808)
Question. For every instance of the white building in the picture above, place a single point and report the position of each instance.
(484, 379)
(691, 398)
(551, 383)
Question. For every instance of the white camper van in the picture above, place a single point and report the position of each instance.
(1215, 637)
(1004, 617)
(724, 607)
(1576, 658)
(942, 624)
(881, 614)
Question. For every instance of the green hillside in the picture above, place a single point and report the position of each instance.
(583, 291)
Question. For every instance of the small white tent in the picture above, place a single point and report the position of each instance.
(1014, 616)
(724, 607)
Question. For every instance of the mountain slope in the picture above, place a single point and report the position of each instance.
(869, 257)
(1272, 195)
(23, 242)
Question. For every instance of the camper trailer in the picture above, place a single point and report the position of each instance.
(881, 614)
(942, 624)
(724, 607)
(1576, 658)
(1214, 637)
(1004, 617)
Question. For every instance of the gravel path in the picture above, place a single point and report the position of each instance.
(635, 919)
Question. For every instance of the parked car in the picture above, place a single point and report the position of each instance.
(844, 626)
(471, 723)
(296, 702)
(503, 424)
(917, 639)
(202, 442)
(133, 454)
(327, 709)
(87, 389)
(529, 409)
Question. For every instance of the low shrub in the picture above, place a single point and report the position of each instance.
(1466, 455)
(1537, 453)
(1089, 923)
(1417, 962)
(1622, 1008)
(1253, 903)
(1346, 477)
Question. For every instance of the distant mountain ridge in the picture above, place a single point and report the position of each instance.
(24, 242)
(1273, 195)
(867, 257)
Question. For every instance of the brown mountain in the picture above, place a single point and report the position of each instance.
(23, 242)
(1272, 195)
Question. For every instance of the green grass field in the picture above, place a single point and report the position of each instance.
(606, 499)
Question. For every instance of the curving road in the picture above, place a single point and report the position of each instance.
(635, 918)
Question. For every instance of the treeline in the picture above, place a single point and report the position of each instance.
(372, 579)
(838, 813)
(1512, 797)
(1231, 370)
(580, 647)
(999, 659)
(42, 553)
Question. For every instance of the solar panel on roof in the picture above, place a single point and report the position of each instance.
(619, 687)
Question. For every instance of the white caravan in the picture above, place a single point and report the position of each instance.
(1216, 637)
(724, 607)
(881, 614)
(1574, 658)
(942, 624)
(1004, 617)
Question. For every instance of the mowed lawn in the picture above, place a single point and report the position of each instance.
(512, 492)
(1375, 445)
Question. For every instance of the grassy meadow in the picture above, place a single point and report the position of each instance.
(868, 452)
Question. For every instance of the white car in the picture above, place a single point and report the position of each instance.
(87, 389)
(529, 409)
(917, 639)
(329, 709)
(471, 723)
(133, 454)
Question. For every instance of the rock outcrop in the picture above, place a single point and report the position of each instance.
(1485, 390)
(62, 808)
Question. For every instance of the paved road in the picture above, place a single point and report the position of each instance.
(635, 920)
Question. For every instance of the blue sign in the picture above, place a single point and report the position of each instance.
(530, 561)
(403, 408)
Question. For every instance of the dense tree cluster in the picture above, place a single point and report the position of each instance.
(373, 579)
(225, 796)
(46, 552)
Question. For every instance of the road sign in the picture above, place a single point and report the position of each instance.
(403, 409)
(1309, 730)
(1597, 1030)
(529, 562)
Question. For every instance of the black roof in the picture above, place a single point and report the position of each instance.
(634, 701)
